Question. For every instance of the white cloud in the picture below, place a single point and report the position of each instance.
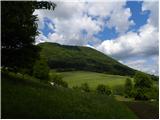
(144, 43)
(148, 65)
(71, 19)
(114, 11)
(153, 7)
(41, 38)
(121, 25)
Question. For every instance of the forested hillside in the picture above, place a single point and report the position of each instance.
(64, 58)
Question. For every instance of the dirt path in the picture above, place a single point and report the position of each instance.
(143, 110)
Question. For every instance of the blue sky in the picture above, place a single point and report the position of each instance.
(124, 30)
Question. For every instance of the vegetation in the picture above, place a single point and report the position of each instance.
(102, 89)
(118, 90)
(128, 87)
(71, 58)
(19, 29)
(57, 80)
(76, 78)
(85, 87)
(25, 96)
(41, 69)
(30, 98)
(18, 35)
(143, 86)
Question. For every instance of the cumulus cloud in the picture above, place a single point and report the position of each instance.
(153, 7)
(143, 43)
(72, 19)
(148, 65)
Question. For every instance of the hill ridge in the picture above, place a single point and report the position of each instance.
(65, 57)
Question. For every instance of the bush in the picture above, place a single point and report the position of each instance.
(75, 87)
(85, 87)
(142, 94)
(118, 90)
(57, 80)
(143, 86)
(128, 88)
(102, 89)
(41, 70)
(154, 93)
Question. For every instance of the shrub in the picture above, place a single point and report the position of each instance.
(41, 70)
(75, 87)
(102, 89)
(118, 90)
(143, 86)
(57, 80)
(154, 93)
(128, 88)
(85, 87)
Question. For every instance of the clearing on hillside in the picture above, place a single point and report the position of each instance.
(76, 78)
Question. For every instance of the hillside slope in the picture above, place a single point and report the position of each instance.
(30, 98)
(62, 57)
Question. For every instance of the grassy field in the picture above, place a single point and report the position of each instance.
(76, 78)
(29, 98)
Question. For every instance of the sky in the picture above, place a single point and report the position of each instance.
(125, 30)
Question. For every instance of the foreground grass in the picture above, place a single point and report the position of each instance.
(76, 78)
(29, 98)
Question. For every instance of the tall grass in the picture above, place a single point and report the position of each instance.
(30, 98)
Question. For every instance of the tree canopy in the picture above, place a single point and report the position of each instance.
(143, 86)
(18, 33)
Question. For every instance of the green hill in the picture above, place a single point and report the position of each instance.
(65, 58)
(27, 97)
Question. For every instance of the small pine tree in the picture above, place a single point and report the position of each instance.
(41, 69)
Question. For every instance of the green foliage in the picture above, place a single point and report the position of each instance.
(18, 35)
(85, 87)
(65, 58)
(128, 87)
(142, 87)
(41, 69)
(57, 80)
(155, 78)
(154, 93)
(118, 90)
(26, 98)
(19, 29)
(142, 80)
(75, 88)
(103, 89)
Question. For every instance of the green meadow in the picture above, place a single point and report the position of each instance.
(76, 78)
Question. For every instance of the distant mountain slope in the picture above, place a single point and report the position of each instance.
(62, 57)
